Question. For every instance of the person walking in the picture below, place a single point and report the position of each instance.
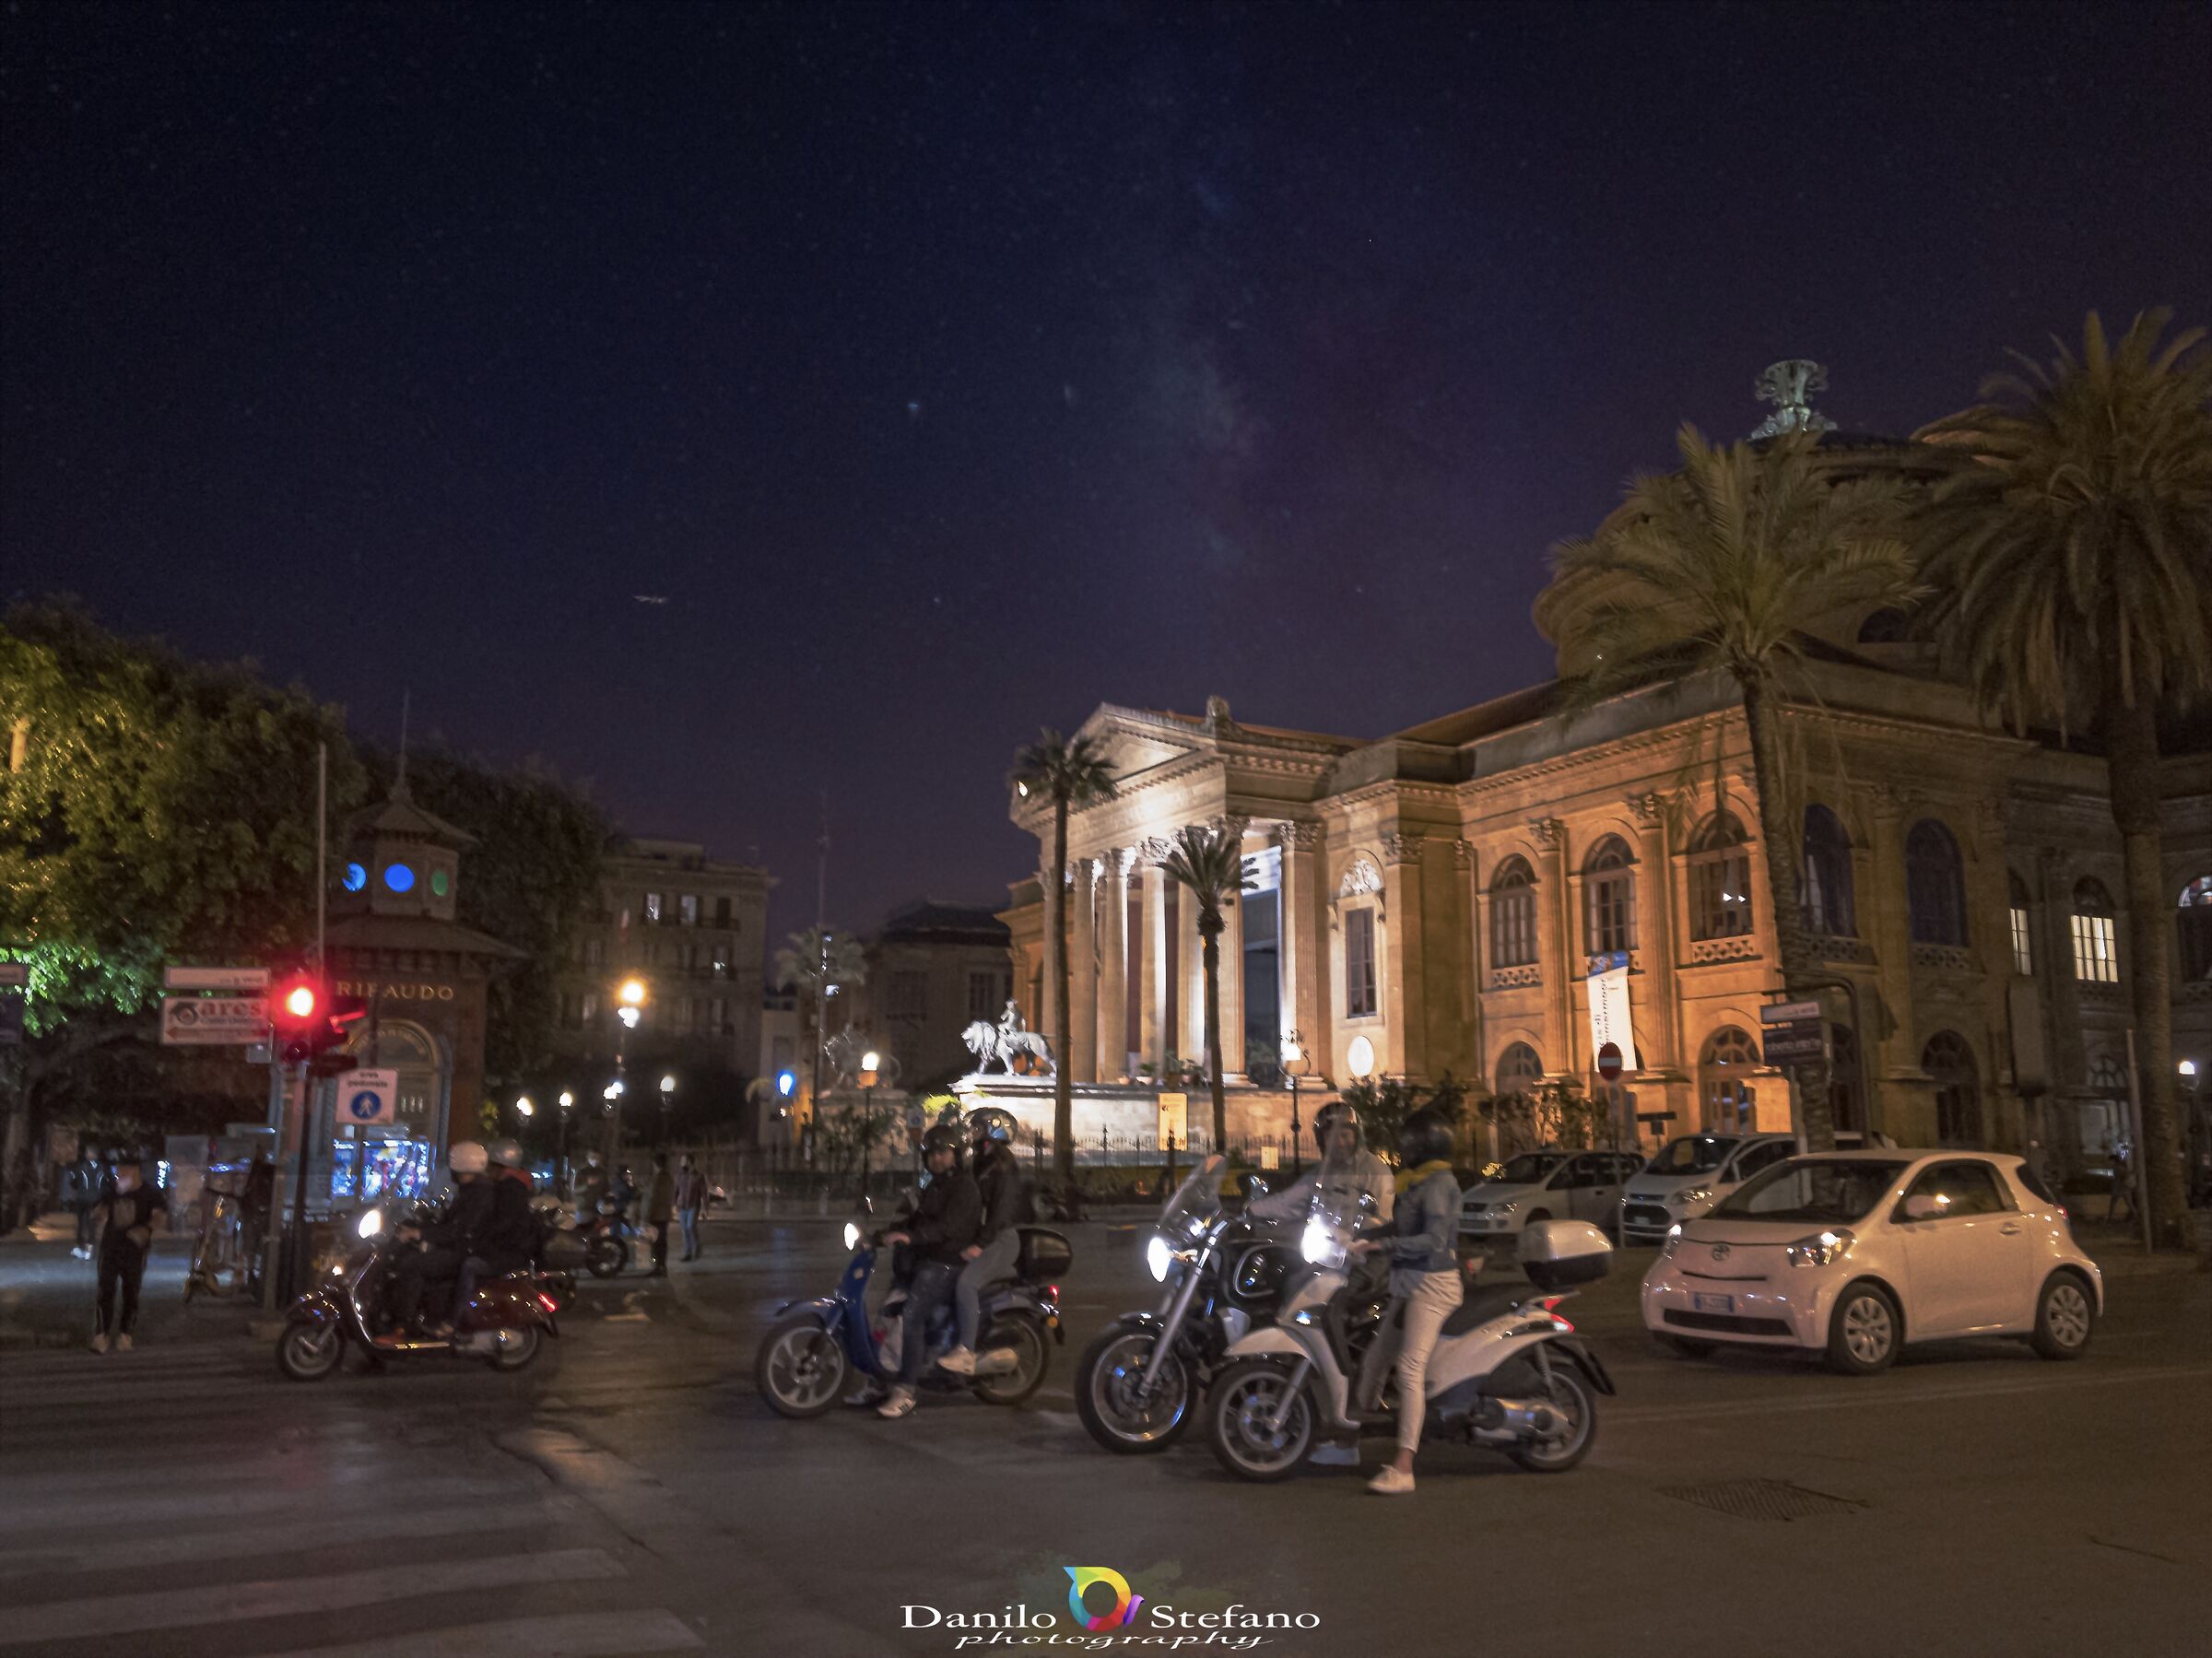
(123, 1223)
(80, 1192)
(660, 1213)
(690, 1198)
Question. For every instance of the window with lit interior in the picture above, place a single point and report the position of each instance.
(1720, 879)
(1609, 898)
(2096, 941)
(1513, 914)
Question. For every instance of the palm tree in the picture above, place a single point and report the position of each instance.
(2072, 570)
(1069, 774)
(1209, 865)
(820, 965)
(1719, 568)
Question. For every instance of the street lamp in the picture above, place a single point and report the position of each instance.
(568, 1103)
(523, 1109)
(668, 1098)
(1296, 1064)
(629, 1007)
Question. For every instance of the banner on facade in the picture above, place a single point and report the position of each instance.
(192, 1021)
(1175, 1119)
(1609, 1015)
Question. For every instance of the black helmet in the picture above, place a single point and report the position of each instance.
(1424, 1137)
(942, 1136)
(990, 1123)
(1326, 1119)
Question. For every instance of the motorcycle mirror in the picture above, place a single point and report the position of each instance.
(1250, 1186)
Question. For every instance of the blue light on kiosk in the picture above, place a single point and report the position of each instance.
(785, 1082)
(355, 878)
(398, 877)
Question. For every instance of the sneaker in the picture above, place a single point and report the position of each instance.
(1334, 1456)
(99, 1343)
(900, 1404)
(960, 1361)
(123, 1341)
(1391, 1482)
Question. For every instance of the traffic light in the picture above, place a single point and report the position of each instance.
(313, 1025)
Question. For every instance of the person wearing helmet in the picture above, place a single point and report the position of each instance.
(450, 1240)
(1337, 1122)
(1007, 1208)
(944, 1223)
(1420, 1242)
(510, 1240)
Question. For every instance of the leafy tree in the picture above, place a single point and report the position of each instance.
(2072, 567)
(1209, 865)
(1070, 774)
(164, 811)
(1384, 1102)
(1718, 567)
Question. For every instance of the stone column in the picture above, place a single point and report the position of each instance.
(1467, 963)
(1050, 882)
(1305, 960)
(1232, 963)
(1155, 989)
(1405, 987)
(1553, 940)
(1190, 980)
(1656, 935)
(1113, 967)
(1083, 962)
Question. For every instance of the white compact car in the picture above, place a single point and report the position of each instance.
(1855, 1254)
(1547, 1185)
(1688, 1175)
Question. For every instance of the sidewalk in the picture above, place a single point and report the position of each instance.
(46, 1293)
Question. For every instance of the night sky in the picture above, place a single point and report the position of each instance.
(950, 369)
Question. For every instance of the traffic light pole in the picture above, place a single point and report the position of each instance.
(294, 1258)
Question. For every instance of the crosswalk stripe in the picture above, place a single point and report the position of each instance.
(76, 1621)
(200, 1508)
(245, 1541)
(572, 1634)
(332, 1469)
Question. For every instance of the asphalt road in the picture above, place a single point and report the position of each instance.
(632, 1494)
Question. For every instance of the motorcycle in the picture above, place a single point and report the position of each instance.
(1507, 1370)
(1139, 1380)
(503, 1322)
(813, 1347)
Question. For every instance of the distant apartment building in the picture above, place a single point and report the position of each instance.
(934, 969)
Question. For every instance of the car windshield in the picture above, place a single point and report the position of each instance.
(1528, 1169)
(1830, 1190)
(1692, 1154)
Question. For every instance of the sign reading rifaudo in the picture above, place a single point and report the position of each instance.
(422, 991)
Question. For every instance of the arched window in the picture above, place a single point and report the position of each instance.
(1950, 1062)
(1724, 1082)
(2096, 944)
(1828, 899)
(1846, 1092)
(1609, 897)
(1520, 1069)
(1719, 880)
(2023, 934)
(1935, 884)
(1513, 914)
(2194, 920)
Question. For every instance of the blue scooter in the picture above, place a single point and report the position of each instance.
(811, 1350)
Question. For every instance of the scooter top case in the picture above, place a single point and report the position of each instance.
(1563, 1254)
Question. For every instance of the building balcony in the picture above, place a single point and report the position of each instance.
(1516, 978)
(1834, 947)
(1944, 958)
(1713, 952)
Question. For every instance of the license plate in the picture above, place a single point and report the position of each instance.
(1701, 1303)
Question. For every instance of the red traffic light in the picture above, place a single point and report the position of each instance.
(296, 1003)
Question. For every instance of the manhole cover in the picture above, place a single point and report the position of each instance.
(1762, 1499)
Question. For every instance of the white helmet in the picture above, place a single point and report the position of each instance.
(467, 1157)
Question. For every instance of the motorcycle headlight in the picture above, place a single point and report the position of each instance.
(1674, 1241)
(371, 1223)
(1820, 1250)
(1158, 1257)
(852, 1235)
(1315, 1245)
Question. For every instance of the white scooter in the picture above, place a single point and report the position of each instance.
(1508, 1371)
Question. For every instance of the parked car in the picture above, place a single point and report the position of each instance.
(1688, 1175)
(1547, 1185)
(1857, 1253)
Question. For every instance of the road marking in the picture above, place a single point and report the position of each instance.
(247, 1542)
(570, 1635)
(76, 1621)
(195, 1508)
(1860, 1398)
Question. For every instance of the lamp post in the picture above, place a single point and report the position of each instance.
(1296, 1064)
(629, 1007)
(668, 1098)
(568, 1103)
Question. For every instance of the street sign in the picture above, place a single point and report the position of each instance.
(16, 973)
(1793, 1032)
(200, 1021)
(1608, 1061)
(1788, 1013)
(215, 978)
(1655, 1121)
(367, 1096)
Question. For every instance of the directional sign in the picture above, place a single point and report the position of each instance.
(201, 1021)
(367, 1096)
(15, 972)
(215, 978)
(1788, 1013)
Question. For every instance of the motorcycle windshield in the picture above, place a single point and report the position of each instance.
(1195, 1201)
(1333, 1213)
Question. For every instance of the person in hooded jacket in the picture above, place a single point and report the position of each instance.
(1007, 1208)
(1420, 1240)
(944, 1224)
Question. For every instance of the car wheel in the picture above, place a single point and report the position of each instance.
(1682, 1346)
(1863, 1331)
(2066, 1316)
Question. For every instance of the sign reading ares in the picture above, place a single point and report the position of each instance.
(395, 992)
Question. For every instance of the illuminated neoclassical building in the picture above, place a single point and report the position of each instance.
(1438, 898)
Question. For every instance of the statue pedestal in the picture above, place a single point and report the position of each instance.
(1119, 1122)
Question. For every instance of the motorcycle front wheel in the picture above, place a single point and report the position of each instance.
(1571, 1397)
(310, 1352)
(1106, 1382)
(1031, 1359)
(801, 1368)
(1239, 1406)
(608, 1257)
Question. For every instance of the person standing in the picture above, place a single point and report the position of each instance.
(690, 1197)
(123, 1223)
(660, 1213)
(80, 1191)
